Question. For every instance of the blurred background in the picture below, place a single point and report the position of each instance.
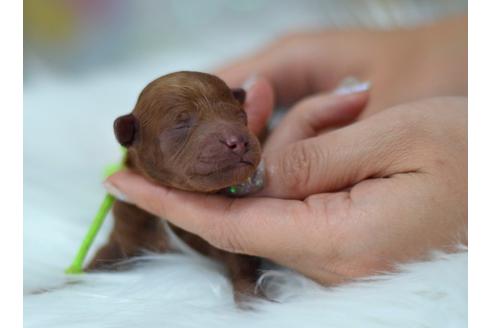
(85, 62)
(72, 38)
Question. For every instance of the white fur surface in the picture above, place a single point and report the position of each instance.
(68, 140)
(179, 291)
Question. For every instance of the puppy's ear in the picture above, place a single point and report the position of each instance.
(125, 128)
(239, 94)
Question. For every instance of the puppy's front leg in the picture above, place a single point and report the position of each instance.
(134, 231)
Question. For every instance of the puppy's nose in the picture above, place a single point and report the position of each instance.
(236, 143)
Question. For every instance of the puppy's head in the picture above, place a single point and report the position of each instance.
(189, 131)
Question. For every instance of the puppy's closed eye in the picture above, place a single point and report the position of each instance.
(183, 121)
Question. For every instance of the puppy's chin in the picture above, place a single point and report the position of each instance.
(223, 178)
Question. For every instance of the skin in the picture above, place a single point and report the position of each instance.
(347, 202)
(402, 65)
(396, 188)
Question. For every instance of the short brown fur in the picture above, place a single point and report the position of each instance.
(187, 131)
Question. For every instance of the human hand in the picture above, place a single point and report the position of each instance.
(355, 200)
(403, 65)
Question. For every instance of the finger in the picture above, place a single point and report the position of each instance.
(370, 148)
(317, 113)
(286, 65)
(248, 225)
(259, 103)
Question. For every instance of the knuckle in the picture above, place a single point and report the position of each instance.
(411, 121)
(402, 138)
(298, 165)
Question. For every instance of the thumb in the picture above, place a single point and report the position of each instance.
(373, 148)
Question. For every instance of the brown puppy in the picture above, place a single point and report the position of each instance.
(189, 131)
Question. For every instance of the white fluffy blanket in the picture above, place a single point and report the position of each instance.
(68, 139)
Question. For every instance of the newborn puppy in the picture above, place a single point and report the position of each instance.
(189, 131)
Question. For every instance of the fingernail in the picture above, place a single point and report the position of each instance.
(249, 82)
(351, 85)
(111, 189)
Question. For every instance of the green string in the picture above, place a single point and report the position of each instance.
(77, 264)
